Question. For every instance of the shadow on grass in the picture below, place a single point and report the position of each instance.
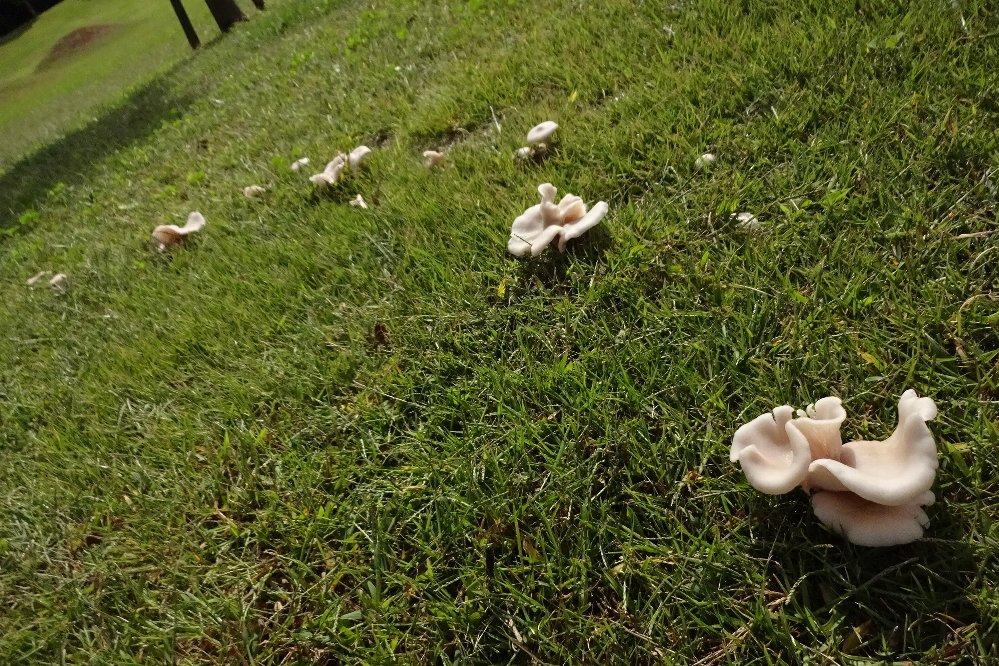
(68, 160)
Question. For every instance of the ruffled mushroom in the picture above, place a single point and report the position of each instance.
(871, 492)
(331, 174)
(537, 139)
(170, 234)
(299, 163)
(253, 191)
(431, 158)
(359, 202)
(539, 225)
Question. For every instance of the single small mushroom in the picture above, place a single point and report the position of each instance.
(747, 220)
(35, 279)
(166, 235)
(59, 283)
(537, 139)
(253, 191)
(356, 155)
(431, 158)
(359, 202)
(299, 163)
(539, 225)
(705, 160)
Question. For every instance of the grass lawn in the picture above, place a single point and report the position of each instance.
(45, 93)
(321, 433)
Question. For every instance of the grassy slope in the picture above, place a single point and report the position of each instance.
(39, 103)
(211, 454)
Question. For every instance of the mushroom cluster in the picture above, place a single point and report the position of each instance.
(334, 170)
(871, 492)
(538, 140)
(542, 223)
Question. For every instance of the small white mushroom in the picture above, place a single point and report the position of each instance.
(747, 220)
(705, 160)
(35, 279)
(432, 158)
(253, 191)
(542, 132)
(59, 283)
(539, 225)
(331, 174)
(356, 155)
(170, 234)
(358, 201)
(299, 163)
(524, 153)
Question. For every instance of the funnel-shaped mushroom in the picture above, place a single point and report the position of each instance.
(894, 472)
(356, 155)
(539, 225)
(358, 202)
(772, 452)
(299, 163)
(170, 234)
(432, 158)
(867, 523)
(331, 174)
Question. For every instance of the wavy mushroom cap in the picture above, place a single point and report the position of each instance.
(772, 452)
(820, 424)
(432, 158)
(357, 155)
(894, 472)
(170, 234)
(253, 191)
(331, 174)
(705, 160)
(359, 202)
(542, 132)
(299, 163)
(867, 523)
(539, 225)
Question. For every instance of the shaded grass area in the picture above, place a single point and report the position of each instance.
(80, 55)
(319, 432)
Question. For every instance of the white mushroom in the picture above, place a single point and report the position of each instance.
(866, 523)
(894, 472)
(358, 201)
(539, 225)
(869, 491)
(523, 153)
(253, 191)
(35, 279)
(356, 155)
(299, 163)
(59, 282)
(331, 174)
(432, 158)
(747, 220)
(705, 160)
(541, 133)
(170, 234)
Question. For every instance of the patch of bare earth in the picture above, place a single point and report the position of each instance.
(76, 42)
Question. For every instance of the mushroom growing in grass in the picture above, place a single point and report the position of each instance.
(359, 202)
(337, 167)
(871, 492)
(431, 158)
(299, 163)
(36, 278)
(706, 160)
(538, 140)
(253, 191)
(167, 235)
(747, 221)
(59, 283)
(542, 223)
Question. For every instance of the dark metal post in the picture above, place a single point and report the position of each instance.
(226, 12)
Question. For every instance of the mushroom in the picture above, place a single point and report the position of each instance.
(747, 220)
(356, 155)
(35, 279)
(537, 140)
(542, 223)
(358, 201)
(331, 174)
(705, 160)
(299, 163)
(59, 283)
(432, 158)
(871, 492)
(170, 234)
(253, 191)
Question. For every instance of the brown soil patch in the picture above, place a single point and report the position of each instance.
(76, 42)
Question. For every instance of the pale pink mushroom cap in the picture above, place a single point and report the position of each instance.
(357, 155)
(169, 234)
(866, 523)
(542, 132)
(539, 225)
(432, 158)
(772, 452)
